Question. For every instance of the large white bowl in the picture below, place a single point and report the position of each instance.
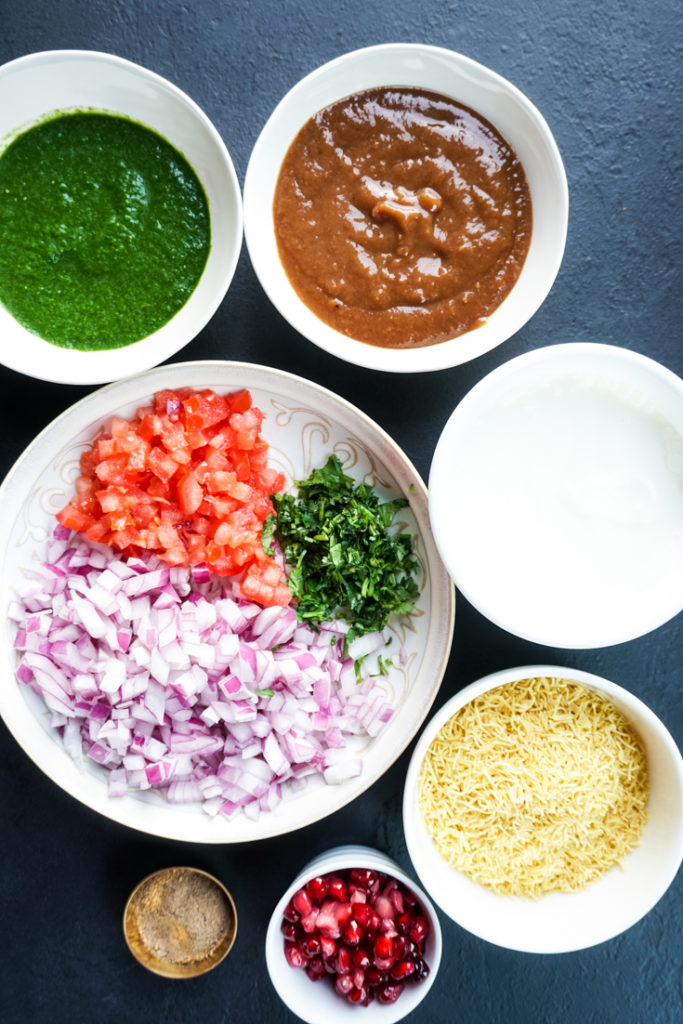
(560, 922)
(556, 495)
(304, 423)
(316, 1002)
(471, 84)
(39, 84)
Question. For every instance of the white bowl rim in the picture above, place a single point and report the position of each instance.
(549, 353)
(340, 858)
(480, 927)
(99, 367)
(445, 354)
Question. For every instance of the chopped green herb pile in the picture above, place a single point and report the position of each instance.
(343, 562)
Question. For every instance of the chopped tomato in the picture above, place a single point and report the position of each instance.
(187, 478)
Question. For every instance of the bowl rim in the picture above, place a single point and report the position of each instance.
(340, 858)
(443, 355)
(411, 815)
(550, 354)
(80, 367)
(174, 828)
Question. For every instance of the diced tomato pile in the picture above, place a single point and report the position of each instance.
(188, 479)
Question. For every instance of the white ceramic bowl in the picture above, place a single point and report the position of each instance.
(475, 86)
(556, 495)
(560, 922)
(37, 85)
(304, 423)
(317, 1001)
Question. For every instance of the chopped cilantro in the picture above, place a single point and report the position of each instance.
(343, 562)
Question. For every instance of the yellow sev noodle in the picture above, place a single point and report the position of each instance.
(535, 786)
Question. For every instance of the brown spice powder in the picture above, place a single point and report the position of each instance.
(182, 916)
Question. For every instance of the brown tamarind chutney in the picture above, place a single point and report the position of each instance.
(402, 218)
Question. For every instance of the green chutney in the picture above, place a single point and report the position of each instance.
(104, 230)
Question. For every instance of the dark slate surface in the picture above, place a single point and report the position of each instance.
(606, 80)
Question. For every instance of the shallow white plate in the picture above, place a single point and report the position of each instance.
(304, 423)
(556, 495)
(475, 86)
(42, 84)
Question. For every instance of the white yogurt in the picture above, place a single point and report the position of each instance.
(556, 496)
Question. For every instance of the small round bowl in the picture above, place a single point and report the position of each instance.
(41, 84)
(560, 922)
(317, 1001)
(471, 84)
(167, 968)
(556, 495)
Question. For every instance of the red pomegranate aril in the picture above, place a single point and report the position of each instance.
(342, 911)
(419, 928)
(374, 977)
(384, 963)
(294, 954)
(343, 960)
(363, 877)
(357, 995)
(404, 921)
(315, 969)
(357, 895)
(328, 947)
(403, 969)
(290, 930)
(302, 902)
(390, 992)
(363, 913)
(421, 969)
(401, 947)
(353, 932)
(384, 947)
(361, 958)
(387, 927)
(310, 921)
(311, 946)
(338, 889)
(290, 913)
(358, 977)
(397, 900)
(317, 888)
(344, 984)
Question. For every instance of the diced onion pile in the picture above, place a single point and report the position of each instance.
(171, 680)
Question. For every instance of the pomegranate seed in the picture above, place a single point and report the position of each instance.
(400, 947)
(360, 958)
(357, 995)
(317, 888)
(294, 954)
(419, 928)
(374, 977)
(311, 946)
(389, 993)
(302, 902)
(290, 930)
(363, 877)
(309, 922)
(338, 890)
(342, 911)
(384, 963)
(397, 900)
(328, 947)
(357, 895)
(404, 921)
(358, 977)
(421, 969)
(343, 960)
(344, 984)
(290, 913)
(315, 969)
(363, 913)
(353, 932)
(402, 969)
(387, 927)
(384, 947)
(384, 907)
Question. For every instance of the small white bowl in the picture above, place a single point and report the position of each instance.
(471, 84)
(317, 1001)
(560, 922)
(556, 495)
(39, 84)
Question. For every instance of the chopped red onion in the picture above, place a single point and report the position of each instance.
(170, 679)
